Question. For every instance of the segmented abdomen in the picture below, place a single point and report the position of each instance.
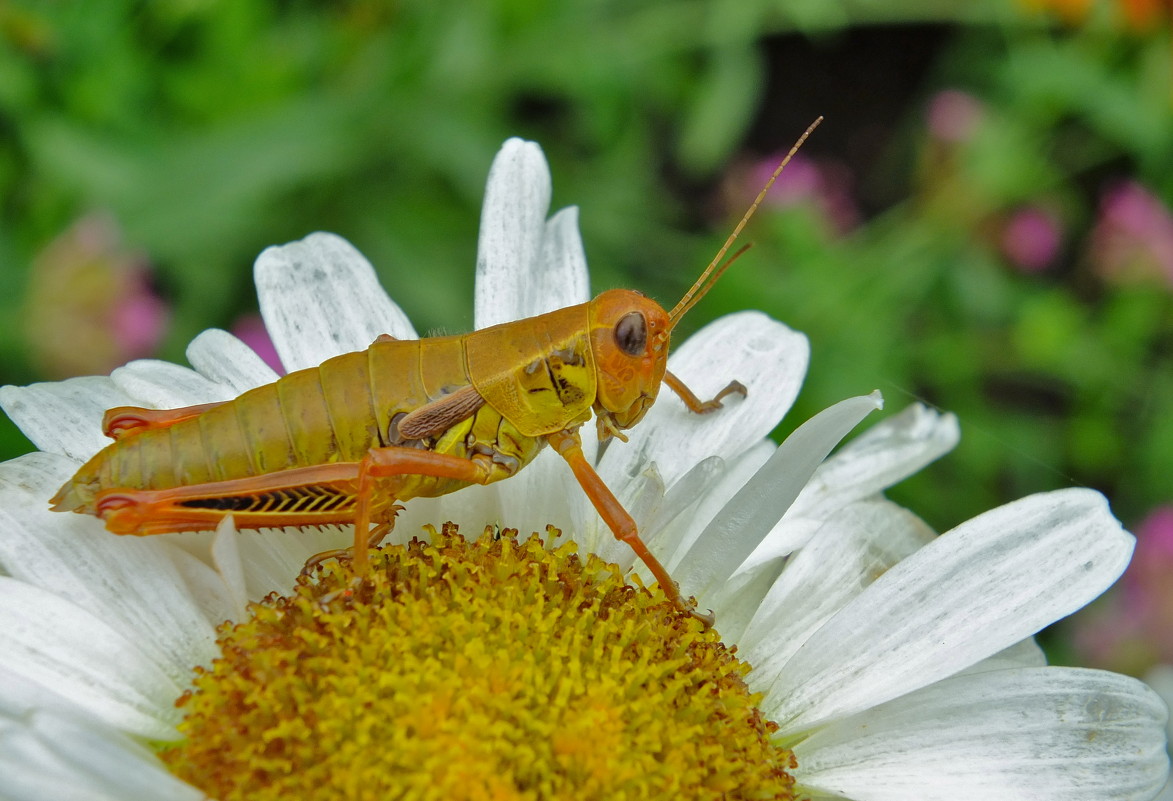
(330, 413)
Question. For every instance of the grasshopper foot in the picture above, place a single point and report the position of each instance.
(707, 620)
(325, 556)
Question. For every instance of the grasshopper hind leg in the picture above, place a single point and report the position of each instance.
(395, 461)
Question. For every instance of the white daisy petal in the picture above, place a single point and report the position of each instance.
(64, 417)
(766, 356)
(272, 558)
(320, 297)
(226, 360)
(540, 495)
(753, 511)
(642, 497)
(739, 599)
(20, 696)
(683, 532)
(563, 280)
(1014, 569)
(884, 455)
(226, 557)
(1031, 734)
(75, 654)
(513, 226)
(209, 591)
(690, 488)
(162, 385)
(51, 756)
(898, 664)
(131, 583)
(853, 548)
(1023, 654)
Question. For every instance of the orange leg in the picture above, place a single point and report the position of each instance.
(123, 420)
(393, 461)
(694, 403)
(378, 533)
(569, 445)
(302, 496)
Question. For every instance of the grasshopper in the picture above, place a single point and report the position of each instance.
(349, 440)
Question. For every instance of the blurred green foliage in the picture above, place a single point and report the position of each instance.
(209, 130)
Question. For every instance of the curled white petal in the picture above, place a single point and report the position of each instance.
(226, 557)
(682, 532)
(885, 454)
(748, 517)
(210, 593)
(272, 558)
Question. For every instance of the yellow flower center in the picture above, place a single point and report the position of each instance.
(492, 669)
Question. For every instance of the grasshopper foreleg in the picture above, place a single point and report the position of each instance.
(569, 445)
(694, 403)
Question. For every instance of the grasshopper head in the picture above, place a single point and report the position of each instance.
(629, 339)
(630, 332)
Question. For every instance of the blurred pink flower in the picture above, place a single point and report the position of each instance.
(140, 317)
(90, 305)
(1031, 238)
(1133, 239)
(826, 185)
(250, 329)
(1134, 629)
(954, 116)
(1146, 585)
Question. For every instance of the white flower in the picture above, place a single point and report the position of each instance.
(1160, 678)
(897, 664)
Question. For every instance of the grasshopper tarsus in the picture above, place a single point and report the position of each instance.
(695, 404)
(707, 620)
(732, 388)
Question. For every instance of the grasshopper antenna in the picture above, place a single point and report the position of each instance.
(713, 272)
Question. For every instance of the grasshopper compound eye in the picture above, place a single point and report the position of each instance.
(631, 334)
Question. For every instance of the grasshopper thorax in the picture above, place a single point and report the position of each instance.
(629, 340)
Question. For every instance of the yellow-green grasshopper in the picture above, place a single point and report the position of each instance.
(348, 440)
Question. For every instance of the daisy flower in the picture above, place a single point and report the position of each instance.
(856, 655)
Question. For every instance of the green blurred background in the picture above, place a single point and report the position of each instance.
(982, 223)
